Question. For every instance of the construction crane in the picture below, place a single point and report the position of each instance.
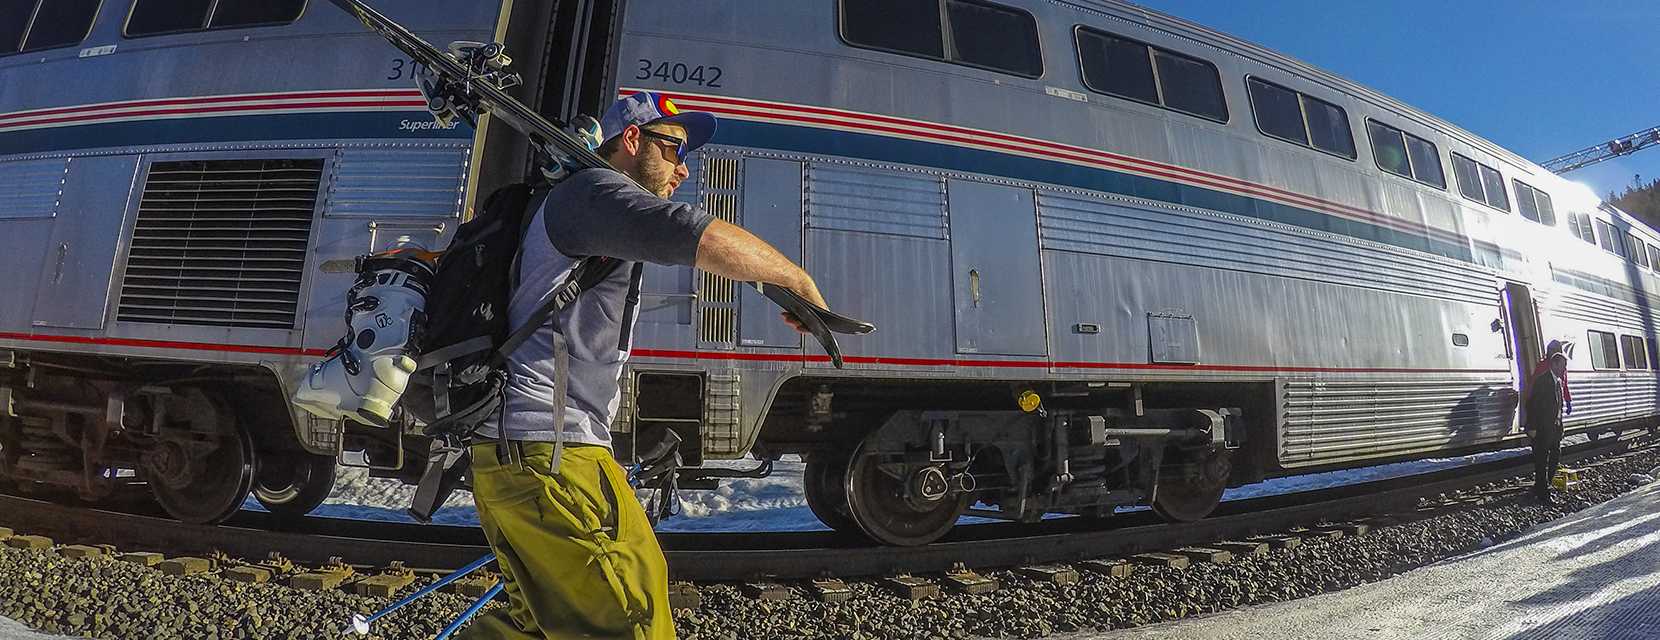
(1621, 146)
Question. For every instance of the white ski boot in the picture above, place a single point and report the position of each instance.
(365, 374)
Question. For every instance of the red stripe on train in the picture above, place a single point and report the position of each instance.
(164, 344)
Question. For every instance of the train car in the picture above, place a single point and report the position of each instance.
(1115, 258)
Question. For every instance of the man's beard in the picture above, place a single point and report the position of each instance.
(655, 177)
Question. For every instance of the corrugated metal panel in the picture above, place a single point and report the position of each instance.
(32, 189)
(892, 202)
(1335, 421)
(396, 183)
(221, 242)
(717, 297)
(1075, 222)
(1602, 311)
(1606, 396)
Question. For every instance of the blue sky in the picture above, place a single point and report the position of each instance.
(1539, 77)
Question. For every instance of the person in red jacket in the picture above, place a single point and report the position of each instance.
(1552, 348)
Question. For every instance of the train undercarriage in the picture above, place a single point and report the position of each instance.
(198, 439)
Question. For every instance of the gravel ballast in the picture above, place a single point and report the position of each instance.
(106, 598)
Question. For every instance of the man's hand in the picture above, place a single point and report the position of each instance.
(808, 289)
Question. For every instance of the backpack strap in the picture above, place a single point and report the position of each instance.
(588, 272)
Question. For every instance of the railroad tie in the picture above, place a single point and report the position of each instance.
(765, 590)
(911, 587)
(682, 595)
(29, 542)
(86, 551)
(5, 532)
(272, 566)
(1244, 549)
(1206, 554)
(329, 576)
(142, 558)
(1279, 542)
(475, 584)
(387, 582)
(1161, 559)
(1050, 573)
(185, 565)
(829, 590)
(961, 580)
(1113, 568)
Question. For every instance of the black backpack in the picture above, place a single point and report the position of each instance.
(459, 378)
(462, 370)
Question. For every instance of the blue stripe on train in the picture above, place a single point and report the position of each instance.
(743, 133)
(245, 128)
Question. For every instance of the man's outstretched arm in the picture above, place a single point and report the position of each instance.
(727, 250)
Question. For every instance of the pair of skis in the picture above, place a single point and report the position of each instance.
(470, 81)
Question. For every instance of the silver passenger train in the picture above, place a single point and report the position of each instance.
(1115, 258)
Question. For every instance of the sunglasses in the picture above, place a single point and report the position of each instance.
(679, 143)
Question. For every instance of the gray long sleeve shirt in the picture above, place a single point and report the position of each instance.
(596, 212)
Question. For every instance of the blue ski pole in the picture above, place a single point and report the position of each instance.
(471, 611)
(360, 622)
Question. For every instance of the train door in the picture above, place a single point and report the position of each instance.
(996, 276)
(1521, 326)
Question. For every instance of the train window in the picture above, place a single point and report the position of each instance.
(1328, 127)
(969, 32)
(1389, 149)
(1480, 183)
(1547, 211)
(1525, 202)
(1609, 239)
(1635, 350)
(1634, 250)
(1116, 66)
(1300, 118)
(1121, 67)
(1580, 223)
(1190, 85)
(1278, 112)
(1605, 352)
(995, 37)
(1405, 155)
(1654, 257)
(904, 26)
(157, 17)
(32, 25)
(1494, 183)
(1426, 162)
(1469, 178)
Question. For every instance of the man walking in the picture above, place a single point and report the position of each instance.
(1544, 422)
(578, 555)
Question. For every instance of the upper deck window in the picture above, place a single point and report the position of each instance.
(968, 32)
(1480, 183)
(1534, 204)
(1129, 69)
(156, 17)
(32, 25)
(1580, 224)
(1406, 155)
(1298, 117)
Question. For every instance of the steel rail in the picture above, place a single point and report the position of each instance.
(713, 557)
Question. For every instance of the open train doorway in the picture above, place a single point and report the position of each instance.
(1521, 326)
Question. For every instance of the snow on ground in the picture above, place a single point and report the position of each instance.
(13, 630)
(775, 503)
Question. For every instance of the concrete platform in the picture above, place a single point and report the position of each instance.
(1594, 574)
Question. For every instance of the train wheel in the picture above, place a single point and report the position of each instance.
(291, 485)
(203, 473)
(900, 503)
(822, 483)
(1189, 492)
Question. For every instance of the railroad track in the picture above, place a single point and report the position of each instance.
(777, 556)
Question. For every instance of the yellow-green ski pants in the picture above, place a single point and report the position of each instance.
(579, 557)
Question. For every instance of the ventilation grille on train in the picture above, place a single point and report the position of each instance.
(221, 242)
(717, 296)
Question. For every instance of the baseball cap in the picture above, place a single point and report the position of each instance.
(649, 106)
